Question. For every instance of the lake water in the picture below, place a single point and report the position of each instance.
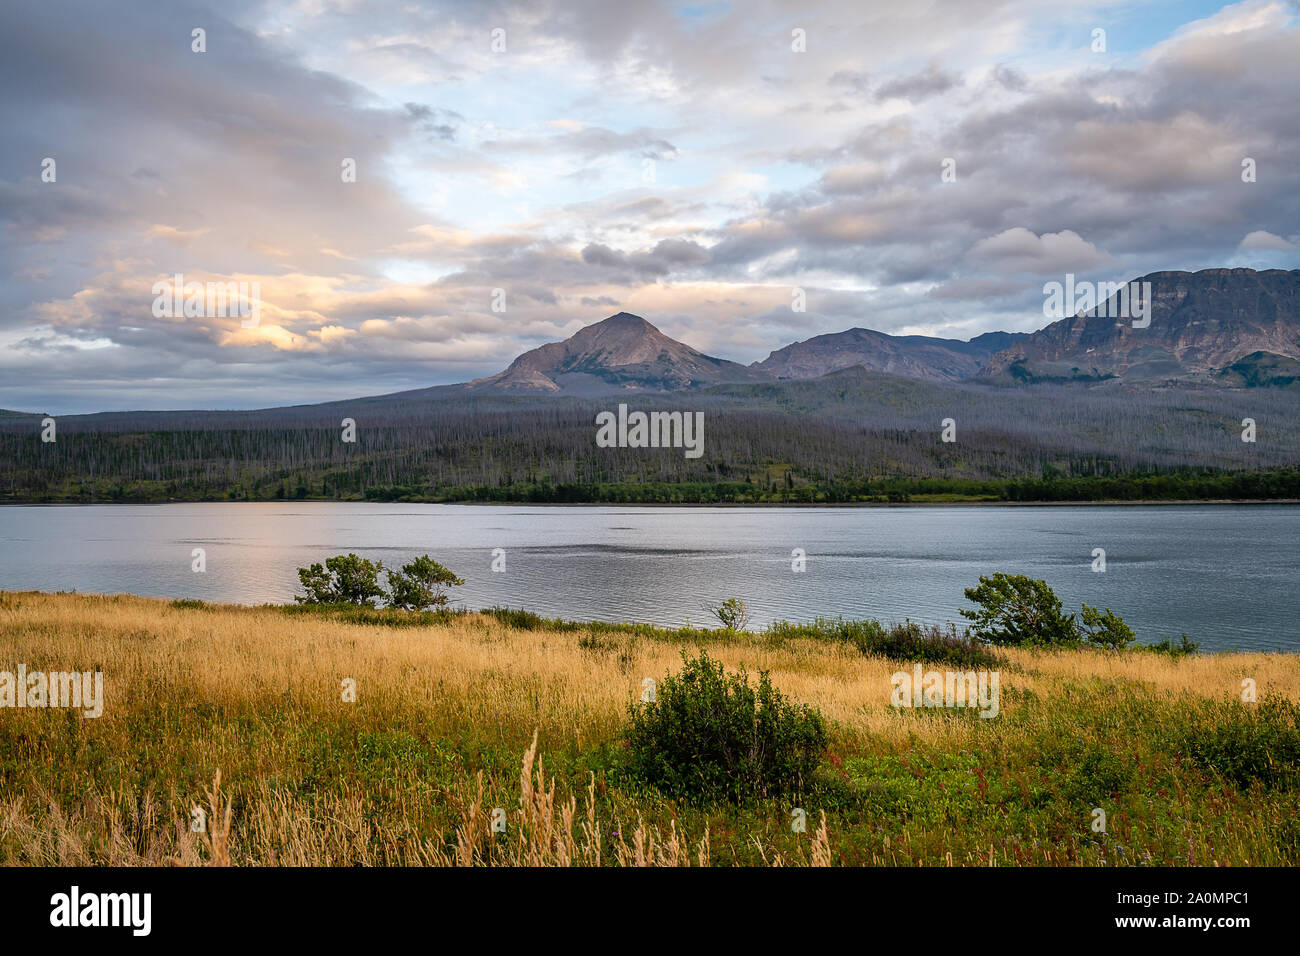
(1225, 575)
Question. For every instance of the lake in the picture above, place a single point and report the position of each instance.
(1226, 575)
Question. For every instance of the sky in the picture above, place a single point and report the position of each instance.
(525, 169)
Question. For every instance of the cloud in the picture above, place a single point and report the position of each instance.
(1261, 241)
(1019, 250)
(919, 86)
(523, 171)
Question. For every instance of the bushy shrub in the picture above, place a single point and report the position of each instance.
(712, 735)
(1091, 770)
(908, 641)
(420, 584)
(344, 579)
(517, 618)
(1244, 744)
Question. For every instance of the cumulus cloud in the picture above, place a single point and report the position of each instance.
(1020, 250)
(1262, 241)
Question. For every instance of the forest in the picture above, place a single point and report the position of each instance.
(847, 437)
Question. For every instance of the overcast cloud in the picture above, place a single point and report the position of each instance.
(679, 161)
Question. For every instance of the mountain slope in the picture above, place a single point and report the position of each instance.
(909, 356)
(1217, 326)
(622, 353)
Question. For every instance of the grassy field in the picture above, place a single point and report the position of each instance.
(443, 727)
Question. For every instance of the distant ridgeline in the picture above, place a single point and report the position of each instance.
(849, 436)
(1200, 399)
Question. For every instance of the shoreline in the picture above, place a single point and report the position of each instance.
(384, 616)
(678, 504)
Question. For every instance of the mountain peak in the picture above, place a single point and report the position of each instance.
(625, 318)
(621, 353)
(621, 324)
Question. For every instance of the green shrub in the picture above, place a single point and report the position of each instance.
(344, 579)
(1244, 744)
(1105, 629)
(364, 614)
(865, 634)
(519, 619)
(908, 641)
(1018, 610)
(711, 735)
(1185, 647)
(1090, 772)
(422, 583)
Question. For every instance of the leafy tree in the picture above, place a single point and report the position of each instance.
(732, 614)
(710, 734)
(1105, 629)
(1019, 610)
(1016, 610)
(421, 584)
(344, 579)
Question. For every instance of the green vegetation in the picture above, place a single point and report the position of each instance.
(344, 579)
(1184, 647)
(1012, 611)
(843, 439)
(707, 735)
(1271, 485)
(1018, 611)
(731, 614)
(421, 584)
(1246, 745)
(1015, 610)
(408, 773)
(347, 579)
(1104, 629)
(908, 641)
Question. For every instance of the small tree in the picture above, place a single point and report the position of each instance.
(344, 579)
(1016, 610)
(732, 614)
(420, 584)
(1105, 630)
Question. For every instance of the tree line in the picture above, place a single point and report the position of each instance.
(842, 438)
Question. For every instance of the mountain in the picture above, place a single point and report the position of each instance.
(1234, 327)
(909, 356)
(622, 353)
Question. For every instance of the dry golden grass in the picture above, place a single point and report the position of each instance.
(267, 681)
